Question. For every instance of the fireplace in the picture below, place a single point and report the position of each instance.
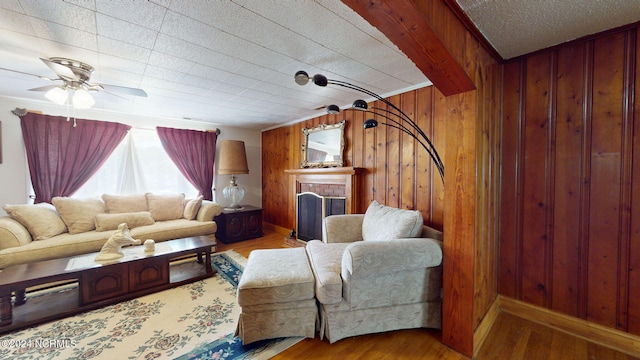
(338, 190)
(312, 209)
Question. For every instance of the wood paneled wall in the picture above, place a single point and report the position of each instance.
(398, 171)
(473, 177)
(466, 130)
(570, 233)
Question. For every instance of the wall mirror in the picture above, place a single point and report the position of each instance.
(323, 145)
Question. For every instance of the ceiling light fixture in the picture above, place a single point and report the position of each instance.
(396, 117)
(58, 95)
(82, 99)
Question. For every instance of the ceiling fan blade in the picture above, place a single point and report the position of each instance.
(124, 90)
(30, 74)
(61, 70)
(113, 94)
(44, 88)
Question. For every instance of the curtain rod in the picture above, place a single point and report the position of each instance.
(21, 112)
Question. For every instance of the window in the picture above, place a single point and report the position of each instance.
(138, 165)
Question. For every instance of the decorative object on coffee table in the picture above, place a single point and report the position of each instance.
(149, 246)
(112, 248)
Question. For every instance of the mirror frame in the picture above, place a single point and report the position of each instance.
(322, 127)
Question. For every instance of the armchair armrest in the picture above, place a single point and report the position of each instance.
(429, 232)
(208, 210)
(368, 257)
(342, 228)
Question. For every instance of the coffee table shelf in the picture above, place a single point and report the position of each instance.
(98, 283)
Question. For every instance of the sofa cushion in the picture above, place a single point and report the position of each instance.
(166, 206)
(387, 223)
(106, 222)
(174, 229)
(117, 204)
(191, 208)
(78, 214)
(41, 219)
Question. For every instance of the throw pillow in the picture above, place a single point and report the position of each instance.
(387, 223)
(192, 207)
(165, 206)
(78, 214)
(41, 220)
(117, 204)
(106, 222)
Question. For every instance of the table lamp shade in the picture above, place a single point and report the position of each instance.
(233, 158)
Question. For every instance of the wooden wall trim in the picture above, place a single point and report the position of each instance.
(624, 247)
(473, 29)
(519, 175)
(587, 104)
(459, 263)
(590, 331)
(403, 24)
(483, 329)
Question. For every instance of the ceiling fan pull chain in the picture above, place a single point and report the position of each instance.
(69, 117)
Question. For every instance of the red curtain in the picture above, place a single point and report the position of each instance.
(62, 157)
(193, 152)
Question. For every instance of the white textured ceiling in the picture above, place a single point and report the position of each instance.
(231, 62)
(219, 61)
(518, 27)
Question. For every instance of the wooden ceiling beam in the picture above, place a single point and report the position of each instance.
(401, 22)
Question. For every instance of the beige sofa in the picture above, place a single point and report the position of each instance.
(377, 272)
(69, 226)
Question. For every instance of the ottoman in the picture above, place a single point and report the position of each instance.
(277, 297)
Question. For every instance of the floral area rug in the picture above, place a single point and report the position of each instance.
(192, 321)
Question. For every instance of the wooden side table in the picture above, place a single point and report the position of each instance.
(238, 225)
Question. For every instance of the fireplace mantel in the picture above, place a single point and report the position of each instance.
(349, 177)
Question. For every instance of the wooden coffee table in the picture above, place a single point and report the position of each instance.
(99, 283)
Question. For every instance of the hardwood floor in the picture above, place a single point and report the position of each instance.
(510, 338)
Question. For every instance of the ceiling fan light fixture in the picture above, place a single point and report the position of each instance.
(82, 99)
(58, 95)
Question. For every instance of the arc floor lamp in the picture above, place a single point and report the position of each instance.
(396, 118)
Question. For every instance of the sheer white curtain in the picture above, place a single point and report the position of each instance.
(137, 166)
(131, 178)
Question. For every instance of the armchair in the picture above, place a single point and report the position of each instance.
(377, 272)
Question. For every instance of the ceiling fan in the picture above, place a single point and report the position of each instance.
(75, 76)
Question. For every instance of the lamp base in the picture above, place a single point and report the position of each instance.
(233, 194)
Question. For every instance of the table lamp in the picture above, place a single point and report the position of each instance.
(233, 161)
